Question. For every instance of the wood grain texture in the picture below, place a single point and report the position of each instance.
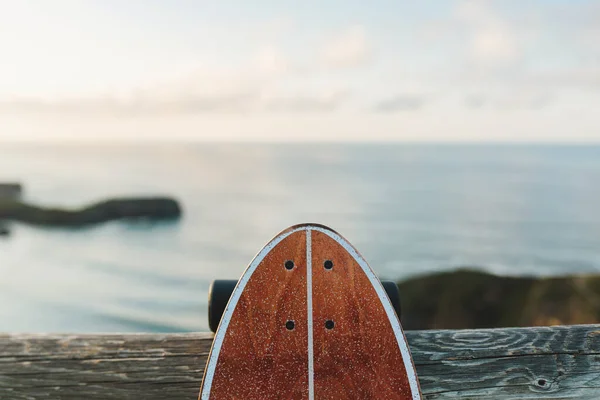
(359, 358)
(523, 363)
(260, 357)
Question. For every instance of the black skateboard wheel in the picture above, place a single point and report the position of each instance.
(393, 294)
(220, 291)
(218, 295)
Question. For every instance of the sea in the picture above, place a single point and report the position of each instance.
(410, 209)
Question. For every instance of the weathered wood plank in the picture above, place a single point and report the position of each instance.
(524, 363)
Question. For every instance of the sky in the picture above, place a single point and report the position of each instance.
(150, 70)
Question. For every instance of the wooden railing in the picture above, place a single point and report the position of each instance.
(522, 363)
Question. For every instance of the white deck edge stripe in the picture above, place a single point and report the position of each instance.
(387, 305)
(309, 305)
(228, 313)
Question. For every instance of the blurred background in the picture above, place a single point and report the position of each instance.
(456, 144)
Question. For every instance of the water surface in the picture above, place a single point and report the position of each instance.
(410, 209)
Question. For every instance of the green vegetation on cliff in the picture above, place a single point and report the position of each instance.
(472, 299)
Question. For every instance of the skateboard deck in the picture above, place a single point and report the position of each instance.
(309, 320)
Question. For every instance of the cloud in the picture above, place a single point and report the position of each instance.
(494, 44)
(482, 55)
(325, 102)
(580, 77)
(139, 105)
(509, 99)
(203, 90)
(475, 100)
(349, 48)
(271, 60)
(492, 39)
(507, 58)
(261, 84)
(400, 103)
(589, 40)
(199, 93)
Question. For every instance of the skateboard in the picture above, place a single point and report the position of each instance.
(308, 319)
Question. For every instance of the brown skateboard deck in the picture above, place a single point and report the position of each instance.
(309, 320)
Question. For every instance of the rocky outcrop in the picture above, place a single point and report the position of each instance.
(158, 208)
(471, 299)
(10, 190)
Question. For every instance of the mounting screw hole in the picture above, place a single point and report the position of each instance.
(290, 325)
(289, 264)
(328, 264)
(329, 324)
